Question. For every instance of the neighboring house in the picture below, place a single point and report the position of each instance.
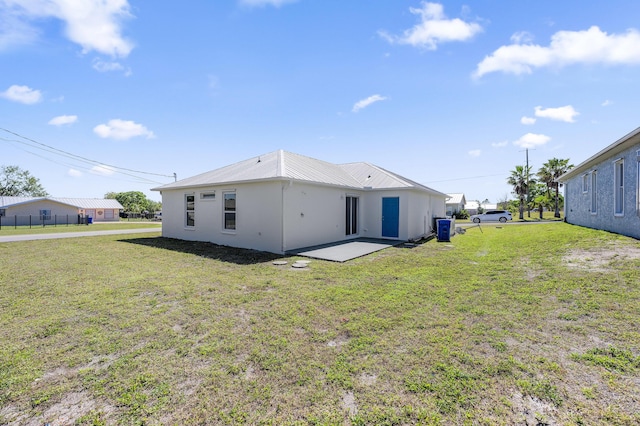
(284, 201)
(455, 204)
(603, 191)
(53, 210)
(472, 207)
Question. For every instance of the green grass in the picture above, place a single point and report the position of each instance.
(50, 229)
(503, 326)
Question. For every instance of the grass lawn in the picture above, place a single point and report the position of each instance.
(527, 323)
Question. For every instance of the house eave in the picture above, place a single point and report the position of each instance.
(617, 147)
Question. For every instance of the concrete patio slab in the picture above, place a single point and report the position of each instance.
(345, 250)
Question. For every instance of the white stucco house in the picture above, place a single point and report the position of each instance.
(283, 201)
(603, 192)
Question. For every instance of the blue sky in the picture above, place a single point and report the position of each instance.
(448, 94)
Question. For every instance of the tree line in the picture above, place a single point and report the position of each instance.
(542, 190)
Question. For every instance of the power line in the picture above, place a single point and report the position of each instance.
(465, 178)
(56, 151)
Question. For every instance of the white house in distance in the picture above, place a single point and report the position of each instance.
(455, 203)
(283, 201)
(473, 206)
(603, 192)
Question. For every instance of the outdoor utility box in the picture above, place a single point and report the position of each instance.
(443, 229)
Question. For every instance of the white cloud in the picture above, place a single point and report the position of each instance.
(103, 170)
(500, 144)
(108, 66)
(522, 37)
(366, 102)
(592, 46)
(565, 113)
(434, 28)
(607, 103)
(96, 25)
(260, 3)
(122, 130)
(61, 120)
(74, 173)
(527, 120)
(13, 30)
(532, 140)
(22, 94)
(475, 153)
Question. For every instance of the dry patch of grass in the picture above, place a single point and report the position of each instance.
(497, 327)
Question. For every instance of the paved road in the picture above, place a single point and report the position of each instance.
(29, 237)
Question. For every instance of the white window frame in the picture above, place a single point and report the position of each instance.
(192, 211)
(618, 187)
(3, 212)
(585, 183)
(594, 192)
(226, 212)
(208, 196)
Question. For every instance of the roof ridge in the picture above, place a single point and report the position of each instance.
(281, 166)
(393, 175)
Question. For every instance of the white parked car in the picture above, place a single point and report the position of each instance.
(492, 216)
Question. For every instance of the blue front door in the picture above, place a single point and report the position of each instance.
(390, 216)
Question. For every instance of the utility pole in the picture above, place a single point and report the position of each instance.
(527, 171)
(175, 177)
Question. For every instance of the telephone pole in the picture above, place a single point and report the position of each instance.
(527, 171)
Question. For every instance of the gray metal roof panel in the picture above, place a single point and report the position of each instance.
(274, 165)
(455, 198)
(90, 203)
(82, 203)
(286, 165)
(6, 201)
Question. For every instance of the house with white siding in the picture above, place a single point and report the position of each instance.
(21, 211)
(603, 192)
(455, 203)
(283, 201)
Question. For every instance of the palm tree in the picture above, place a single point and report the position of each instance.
(550, 172)
(520, 179)
(542, 198)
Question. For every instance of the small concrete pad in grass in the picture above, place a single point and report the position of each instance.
(346, 250)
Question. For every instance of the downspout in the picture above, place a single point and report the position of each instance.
(282, 218)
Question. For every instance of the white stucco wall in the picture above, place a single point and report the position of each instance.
(279, 216)
(417, 210)
(315, 214)
(258, 216)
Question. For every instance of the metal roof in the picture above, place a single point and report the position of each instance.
(81, 203)
(90, 203)
(272, 166)
(284, 165)
(456, 199)
(11, 201)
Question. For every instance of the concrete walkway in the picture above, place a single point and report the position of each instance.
(30, 237)
(345, 250)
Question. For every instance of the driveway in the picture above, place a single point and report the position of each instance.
(30, 237)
